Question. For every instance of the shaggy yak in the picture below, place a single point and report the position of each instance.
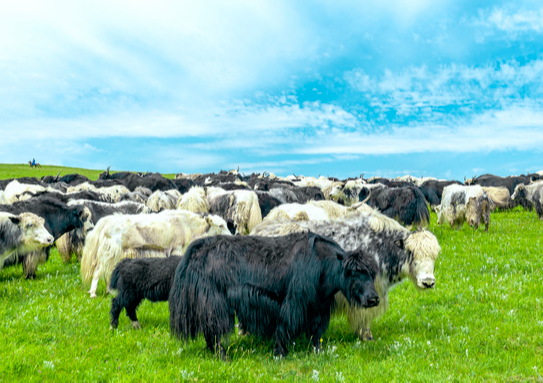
(139, 279)
(22, 233)
(401, 255)
(277, 287)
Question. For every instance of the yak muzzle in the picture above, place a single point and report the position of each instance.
(427, 283)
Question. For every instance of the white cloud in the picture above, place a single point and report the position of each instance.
(508, 21)
(522, 20)
(419, 92)
(515, 128)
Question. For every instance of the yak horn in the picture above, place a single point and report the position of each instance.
(367, 198)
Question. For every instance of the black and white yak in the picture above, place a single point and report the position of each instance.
(400, 253)
(532, 194)
(59, 219)
(22, 233)
(277, 287)
(464, 204)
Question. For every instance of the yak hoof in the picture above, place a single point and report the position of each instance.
(366, 335)
(241, 330)
(92, 294)
(136, 325)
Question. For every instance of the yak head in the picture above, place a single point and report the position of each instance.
(476, 208)
(520, 192)
(360, 271)
(34, 234)
(424, 247)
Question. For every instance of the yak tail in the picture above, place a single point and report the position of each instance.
(115, 277)
(195, 302)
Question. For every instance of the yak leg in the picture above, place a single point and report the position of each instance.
(94, 286)
(318, 325)
(95, 280)
(116, 309)
(131, 313)
(288, 323)
(214, 344)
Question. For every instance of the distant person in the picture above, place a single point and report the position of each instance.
(33, 162)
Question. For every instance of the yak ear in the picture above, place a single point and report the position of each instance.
(400, 243)
(15, 220)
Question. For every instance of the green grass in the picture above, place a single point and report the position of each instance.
(482, 322)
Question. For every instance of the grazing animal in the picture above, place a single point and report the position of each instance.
(72, 242)
(533, 194)
(401, 254)
(59, 219)
(110, 193)
(432, 190)
(16, 191)
(238, 206)
(142, 236)
(405, 204)
(140, 194)
(464, 204)
(277, 287)
(139, 279)
(22, 233)
(498, 197)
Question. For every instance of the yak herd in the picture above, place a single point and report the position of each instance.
(280, 254)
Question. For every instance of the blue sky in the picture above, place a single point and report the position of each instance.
(428, 88)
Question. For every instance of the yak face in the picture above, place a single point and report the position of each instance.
(424, 247)
(86, 218)
(34, 234)
(360, 271)
(520, 192)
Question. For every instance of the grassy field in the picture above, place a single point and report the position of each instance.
(482, 322)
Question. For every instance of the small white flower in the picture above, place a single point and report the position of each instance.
(315, 376)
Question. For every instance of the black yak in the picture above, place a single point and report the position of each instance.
(405, 204)
(138, 279)
(278, 287)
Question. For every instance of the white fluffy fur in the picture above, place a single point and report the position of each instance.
(194, 200)
(243, 207)
(498, 196)
(14, 191)
(446, 212)
(111, 193)
(136, 236)
(163, 200)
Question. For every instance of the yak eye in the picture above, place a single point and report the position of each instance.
(29, 225)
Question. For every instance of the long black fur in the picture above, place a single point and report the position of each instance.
(405, 204)
(278, 287)
(138, 279)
